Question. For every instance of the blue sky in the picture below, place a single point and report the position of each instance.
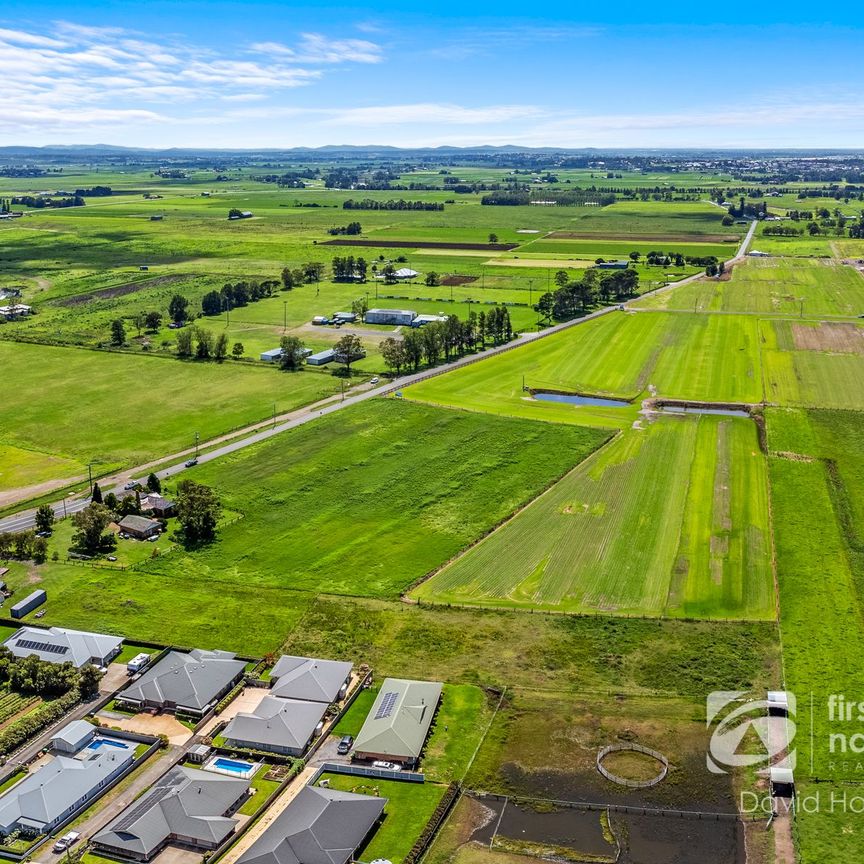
(219, 74)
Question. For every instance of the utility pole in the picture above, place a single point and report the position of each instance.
(342, 386)
(284, 316)
(196, 445)
(90, 476)
(274, 415)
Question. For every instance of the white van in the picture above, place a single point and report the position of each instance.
(66, 841)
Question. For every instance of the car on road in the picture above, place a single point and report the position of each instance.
(345, 745)
(374, 380)
(66, 841)
(386, 766)
(190, 463)
(130, 485)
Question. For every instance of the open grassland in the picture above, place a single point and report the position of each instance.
(813, 364)
(20, 467)
(115, 409)
(818, 506)
(370, 499)
(714, 358)
(592, 249)
(510, 649)
(776, 286)
(613, 537)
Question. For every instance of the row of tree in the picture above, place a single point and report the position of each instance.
(351, 229)
(392, 204)
(447, 339)
(235, 295)
(578, 296)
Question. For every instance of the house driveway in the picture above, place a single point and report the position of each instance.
(148, 724)
(115, 678)
(175, 855)
(288, 795)
(248, 700)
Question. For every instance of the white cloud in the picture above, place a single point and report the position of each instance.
(71, 71)
(315, 48)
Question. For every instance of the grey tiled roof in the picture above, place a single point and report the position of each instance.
(190, 680)
(309, 678)
(185, 802)
(277, 722)
(47, 793)
(320, 826)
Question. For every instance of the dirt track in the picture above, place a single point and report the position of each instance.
(422, 244)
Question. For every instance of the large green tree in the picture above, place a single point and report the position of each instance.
(91, 523)
(198, 511)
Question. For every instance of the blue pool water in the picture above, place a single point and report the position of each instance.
(106, 742)
(233, 766)
(575, 399)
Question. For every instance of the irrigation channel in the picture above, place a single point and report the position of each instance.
(653, 405)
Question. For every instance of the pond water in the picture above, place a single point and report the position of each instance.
(575, 399)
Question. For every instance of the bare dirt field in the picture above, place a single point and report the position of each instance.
(122, 290)
(421, 244)
(837, 338)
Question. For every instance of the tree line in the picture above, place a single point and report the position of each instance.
(447, 339)
(351, 229)
(392, 204)
(573, 297)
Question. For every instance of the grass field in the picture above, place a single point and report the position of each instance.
(351, 504)
(609, 538)
(820, 568)
(113, 409)
(355, 504)
(714, 358)
(776, 286)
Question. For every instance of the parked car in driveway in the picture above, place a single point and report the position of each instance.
(66, 841)
(345, 745)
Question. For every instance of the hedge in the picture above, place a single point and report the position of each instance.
(30, 724)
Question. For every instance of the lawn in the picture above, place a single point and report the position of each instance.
(713, 358)
(613, 537)
(22, 467)
(113, 409)
(460, 725)
(352, 720)
(409, 807)
(263, 789)
(776, 286)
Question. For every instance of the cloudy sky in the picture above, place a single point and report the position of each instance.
(257, 74)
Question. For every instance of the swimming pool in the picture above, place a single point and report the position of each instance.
(96, 743)
(234, 767)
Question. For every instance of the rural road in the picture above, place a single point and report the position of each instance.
(25, 520)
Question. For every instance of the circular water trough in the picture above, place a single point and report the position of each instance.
(635, 748)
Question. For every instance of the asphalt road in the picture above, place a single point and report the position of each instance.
(25, 520)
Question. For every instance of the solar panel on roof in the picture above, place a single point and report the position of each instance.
(385, 709)
(47, 647)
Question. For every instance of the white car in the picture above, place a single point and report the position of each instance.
(374, 380)
(66, 841)
(386, 766)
